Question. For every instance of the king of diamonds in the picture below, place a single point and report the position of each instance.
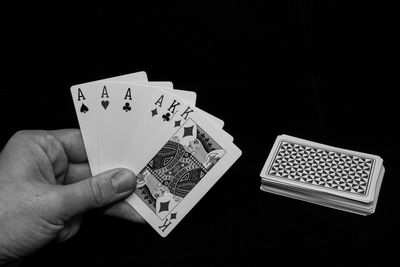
(176, 169)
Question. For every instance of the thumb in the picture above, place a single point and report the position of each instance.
(97, 191)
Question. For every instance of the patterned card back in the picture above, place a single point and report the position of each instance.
(322, 168)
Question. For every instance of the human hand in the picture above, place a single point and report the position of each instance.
(45, 186)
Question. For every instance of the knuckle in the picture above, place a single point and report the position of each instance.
(22, 134)
(46, 138)
(23, 138)
(47, 141)
(98, 194)
(74, 133)
(37, 136)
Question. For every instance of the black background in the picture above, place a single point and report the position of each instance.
(321, 70)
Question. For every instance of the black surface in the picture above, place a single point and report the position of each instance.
(326, 72)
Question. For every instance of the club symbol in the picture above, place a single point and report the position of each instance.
(127, 107)
(84, 108)
(166, 116)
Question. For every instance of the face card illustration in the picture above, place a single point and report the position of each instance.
(323, 168)
(181, 172)
(177, 168)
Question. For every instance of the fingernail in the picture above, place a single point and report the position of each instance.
(123, 181)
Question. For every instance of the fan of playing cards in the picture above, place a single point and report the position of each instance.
(323, 175)
(178, 150)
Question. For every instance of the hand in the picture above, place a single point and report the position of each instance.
(45, 186)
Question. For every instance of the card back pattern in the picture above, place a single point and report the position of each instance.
(321, 167)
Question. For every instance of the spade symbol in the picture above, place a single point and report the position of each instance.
(84, 108)
(127, 107)
(105, 103)
(166, 117)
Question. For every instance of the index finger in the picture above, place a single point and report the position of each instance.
(72, 142)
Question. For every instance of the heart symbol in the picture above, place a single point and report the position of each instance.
(105, 103)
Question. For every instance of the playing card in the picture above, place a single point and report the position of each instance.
(323, 169)
(154, 121)
(113, 157)
(88, 123)
(178, 150)
(327, 200)
(85, 103)
(311, 199)
(183, 169)
(120, 107)
(217, 121)
(160, 123)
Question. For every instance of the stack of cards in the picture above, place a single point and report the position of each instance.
(177, 150)
(324, 175)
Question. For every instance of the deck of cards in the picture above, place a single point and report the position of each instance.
(324, 175)
(177, 150)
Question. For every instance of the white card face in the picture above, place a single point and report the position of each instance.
(88, 120)
(218, 122)
(118, 124)
(182, 169)
(110, 156)
(153, 124)
(90, 127)
(321, 168)
(150, 128)
(120, 109)
(84, 102)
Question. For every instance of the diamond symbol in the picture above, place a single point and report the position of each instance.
(154, 112)
(188, 131)
(177, 123)
(164, 206)
(173, 216)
